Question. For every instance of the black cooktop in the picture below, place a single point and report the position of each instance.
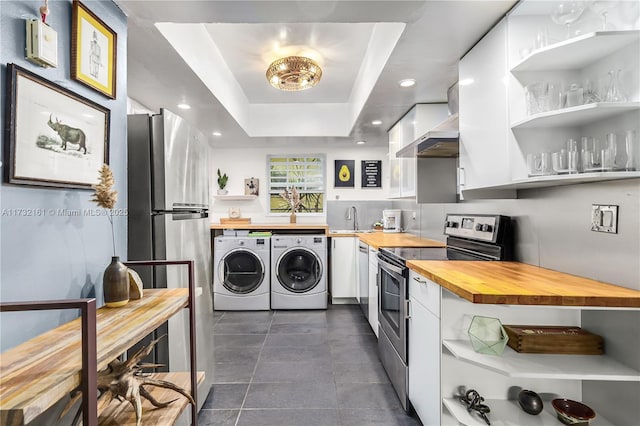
(402, 254)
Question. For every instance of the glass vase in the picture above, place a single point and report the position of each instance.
(614, 92)
(115, 284)
(292, 218)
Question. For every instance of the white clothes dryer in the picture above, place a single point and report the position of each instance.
(298, 272)
(242, 273)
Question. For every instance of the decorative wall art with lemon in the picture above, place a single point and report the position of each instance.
(344, 173)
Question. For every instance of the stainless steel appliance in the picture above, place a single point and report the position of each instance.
(168, 196)
(363, 277)
(392, 220)
(469, 237)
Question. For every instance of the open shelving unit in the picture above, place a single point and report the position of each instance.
(567, 367)
(576, 116)
(576, 52)
(235, 197)
(508, 413)
(586, 57)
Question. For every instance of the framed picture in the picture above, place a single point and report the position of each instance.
(371, 174)
(93, 51)
(54, 137)
(252, 186)
(343, 176)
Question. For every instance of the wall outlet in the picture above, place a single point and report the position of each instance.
(604, 218)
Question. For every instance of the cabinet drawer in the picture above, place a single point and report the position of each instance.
(425, 291)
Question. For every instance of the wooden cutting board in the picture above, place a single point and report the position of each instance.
(235, 220)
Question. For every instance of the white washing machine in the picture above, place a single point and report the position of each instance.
(298, 272)
(242, 274)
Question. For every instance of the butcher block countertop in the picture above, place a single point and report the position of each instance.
(271, 226)
(397, 239)
(514, 283)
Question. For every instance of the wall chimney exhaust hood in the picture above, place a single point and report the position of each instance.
(441, 141)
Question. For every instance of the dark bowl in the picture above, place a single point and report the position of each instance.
(530, 402)
(573, 412)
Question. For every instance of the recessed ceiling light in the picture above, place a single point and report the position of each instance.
(407, 82)
(184, 106)
(376, 122)
(217, 134)
(361, 142)
(465, 82)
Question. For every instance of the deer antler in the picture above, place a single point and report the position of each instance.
(126, 380)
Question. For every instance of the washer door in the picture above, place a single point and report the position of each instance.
(241, 271)
(299, 270)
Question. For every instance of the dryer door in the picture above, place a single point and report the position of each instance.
(241, 271)
(299, 270)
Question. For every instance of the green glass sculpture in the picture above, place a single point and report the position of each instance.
(487, 335)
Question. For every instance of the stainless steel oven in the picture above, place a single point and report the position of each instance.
(469, 237)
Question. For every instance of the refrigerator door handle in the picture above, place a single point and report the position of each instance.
(182, 214)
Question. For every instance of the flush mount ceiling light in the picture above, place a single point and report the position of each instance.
(407, 82)
(376, 122)
(184, 106)
(361, 142)
(217, 134)
(294, 73)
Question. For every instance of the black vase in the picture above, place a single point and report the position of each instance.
(115, 284)
(530, 402)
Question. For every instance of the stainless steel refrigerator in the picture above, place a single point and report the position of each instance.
(168, 202)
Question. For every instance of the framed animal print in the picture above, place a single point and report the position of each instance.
(54, 137)
(93, 51)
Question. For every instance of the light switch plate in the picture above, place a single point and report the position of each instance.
(604, 218)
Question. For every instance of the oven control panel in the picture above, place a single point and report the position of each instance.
(476, 227)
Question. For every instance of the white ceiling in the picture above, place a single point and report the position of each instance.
(244, 33)
(248, 49)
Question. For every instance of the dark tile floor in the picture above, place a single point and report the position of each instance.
(299, 368)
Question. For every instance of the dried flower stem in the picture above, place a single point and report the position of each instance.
(292, 198)
(105, 196)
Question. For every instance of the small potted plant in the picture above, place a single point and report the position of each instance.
(222, 183)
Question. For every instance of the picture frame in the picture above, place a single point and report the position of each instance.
(93, 51)
(344, 174)
(252, 186)
(53, 137)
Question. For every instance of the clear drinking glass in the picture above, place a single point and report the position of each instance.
(566, 13)
(572, 155)
(630, 142)
(609, 152)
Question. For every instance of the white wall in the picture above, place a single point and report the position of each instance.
(242, 163)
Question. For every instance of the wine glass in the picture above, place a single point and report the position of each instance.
(602, 7)
(566, 13)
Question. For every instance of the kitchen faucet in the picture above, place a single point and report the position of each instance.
(355, 216)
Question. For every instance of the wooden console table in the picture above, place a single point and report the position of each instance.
(36, 374)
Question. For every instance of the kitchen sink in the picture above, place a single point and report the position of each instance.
(350, 231)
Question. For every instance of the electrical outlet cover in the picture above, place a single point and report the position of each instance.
(604, 218)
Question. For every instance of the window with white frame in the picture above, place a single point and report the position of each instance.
(304, 172)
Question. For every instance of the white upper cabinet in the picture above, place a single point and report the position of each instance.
(484, 127)
(402, 171)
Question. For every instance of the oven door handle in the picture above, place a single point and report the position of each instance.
(407, 309)
(389, 267)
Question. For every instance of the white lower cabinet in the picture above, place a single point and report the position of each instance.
(424, 349)
(373, 289)
(344, 283)
(442, 362)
